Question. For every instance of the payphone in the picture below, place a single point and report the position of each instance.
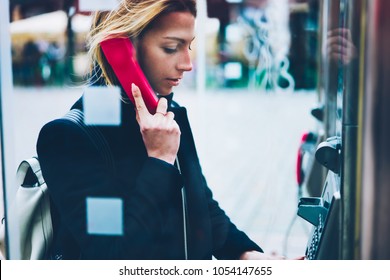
(324, 212)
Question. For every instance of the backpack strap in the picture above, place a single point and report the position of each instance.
(94, 134)
(32, 163)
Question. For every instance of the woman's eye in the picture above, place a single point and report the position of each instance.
(169, 50)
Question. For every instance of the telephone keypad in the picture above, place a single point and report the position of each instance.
(311, 251)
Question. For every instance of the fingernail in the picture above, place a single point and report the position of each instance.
(133, 86)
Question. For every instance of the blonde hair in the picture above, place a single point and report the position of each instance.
(131, 19)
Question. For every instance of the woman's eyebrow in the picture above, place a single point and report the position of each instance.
(181, 40)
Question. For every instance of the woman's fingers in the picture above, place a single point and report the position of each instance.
(162, 106)
(140, 106)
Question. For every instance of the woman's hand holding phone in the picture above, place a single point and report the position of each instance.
(160, 132)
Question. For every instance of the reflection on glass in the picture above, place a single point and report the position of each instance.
(340, 46)
(102, 106)
(104, 216)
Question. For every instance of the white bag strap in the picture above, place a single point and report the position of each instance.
(32, 163)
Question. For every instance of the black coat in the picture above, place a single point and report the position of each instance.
(74, 169)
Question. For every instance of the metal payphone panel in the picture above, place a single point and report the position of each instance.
(324, 214)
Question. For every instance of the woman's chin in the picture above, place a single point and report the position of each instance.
(165, 92)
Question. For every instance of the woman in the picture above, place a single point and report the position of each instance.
(144, 173)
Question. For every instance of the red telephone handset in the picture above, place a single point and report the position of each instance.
(120, 54)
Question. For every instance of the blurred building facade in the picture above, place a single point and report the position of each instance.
(259, 44)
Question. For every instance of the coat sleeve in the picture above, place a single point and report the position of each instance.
(228, 241)
(74, 170)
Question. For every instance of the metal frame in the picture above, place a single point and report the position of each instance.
(7, 132)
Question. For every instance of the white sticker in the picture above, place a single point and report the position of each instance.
(102, 106)
(104, 216)
(97, 5)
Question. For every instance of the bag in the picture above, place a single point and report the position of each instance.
(32, 208)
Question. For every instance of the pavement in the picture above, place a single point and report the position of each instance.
(247, 143)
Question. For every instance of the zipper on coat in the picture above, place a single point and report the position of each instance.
(184, 206)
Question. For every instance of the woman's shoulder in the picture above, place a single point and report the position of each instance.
(58, 130)
(68, 136)
(71, 120)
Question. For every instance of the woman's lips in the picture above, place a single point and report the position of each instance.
(174, 82)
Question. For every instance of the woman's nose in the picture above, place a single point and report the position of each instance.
(185, 63)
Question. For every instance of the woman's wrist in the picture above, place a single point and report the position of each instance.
(168, 159)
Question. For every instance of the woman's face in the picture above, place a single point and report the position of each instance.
(163, 52)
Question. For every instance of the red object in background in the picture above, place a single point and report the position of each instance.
(307, 140)
(77, 6)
